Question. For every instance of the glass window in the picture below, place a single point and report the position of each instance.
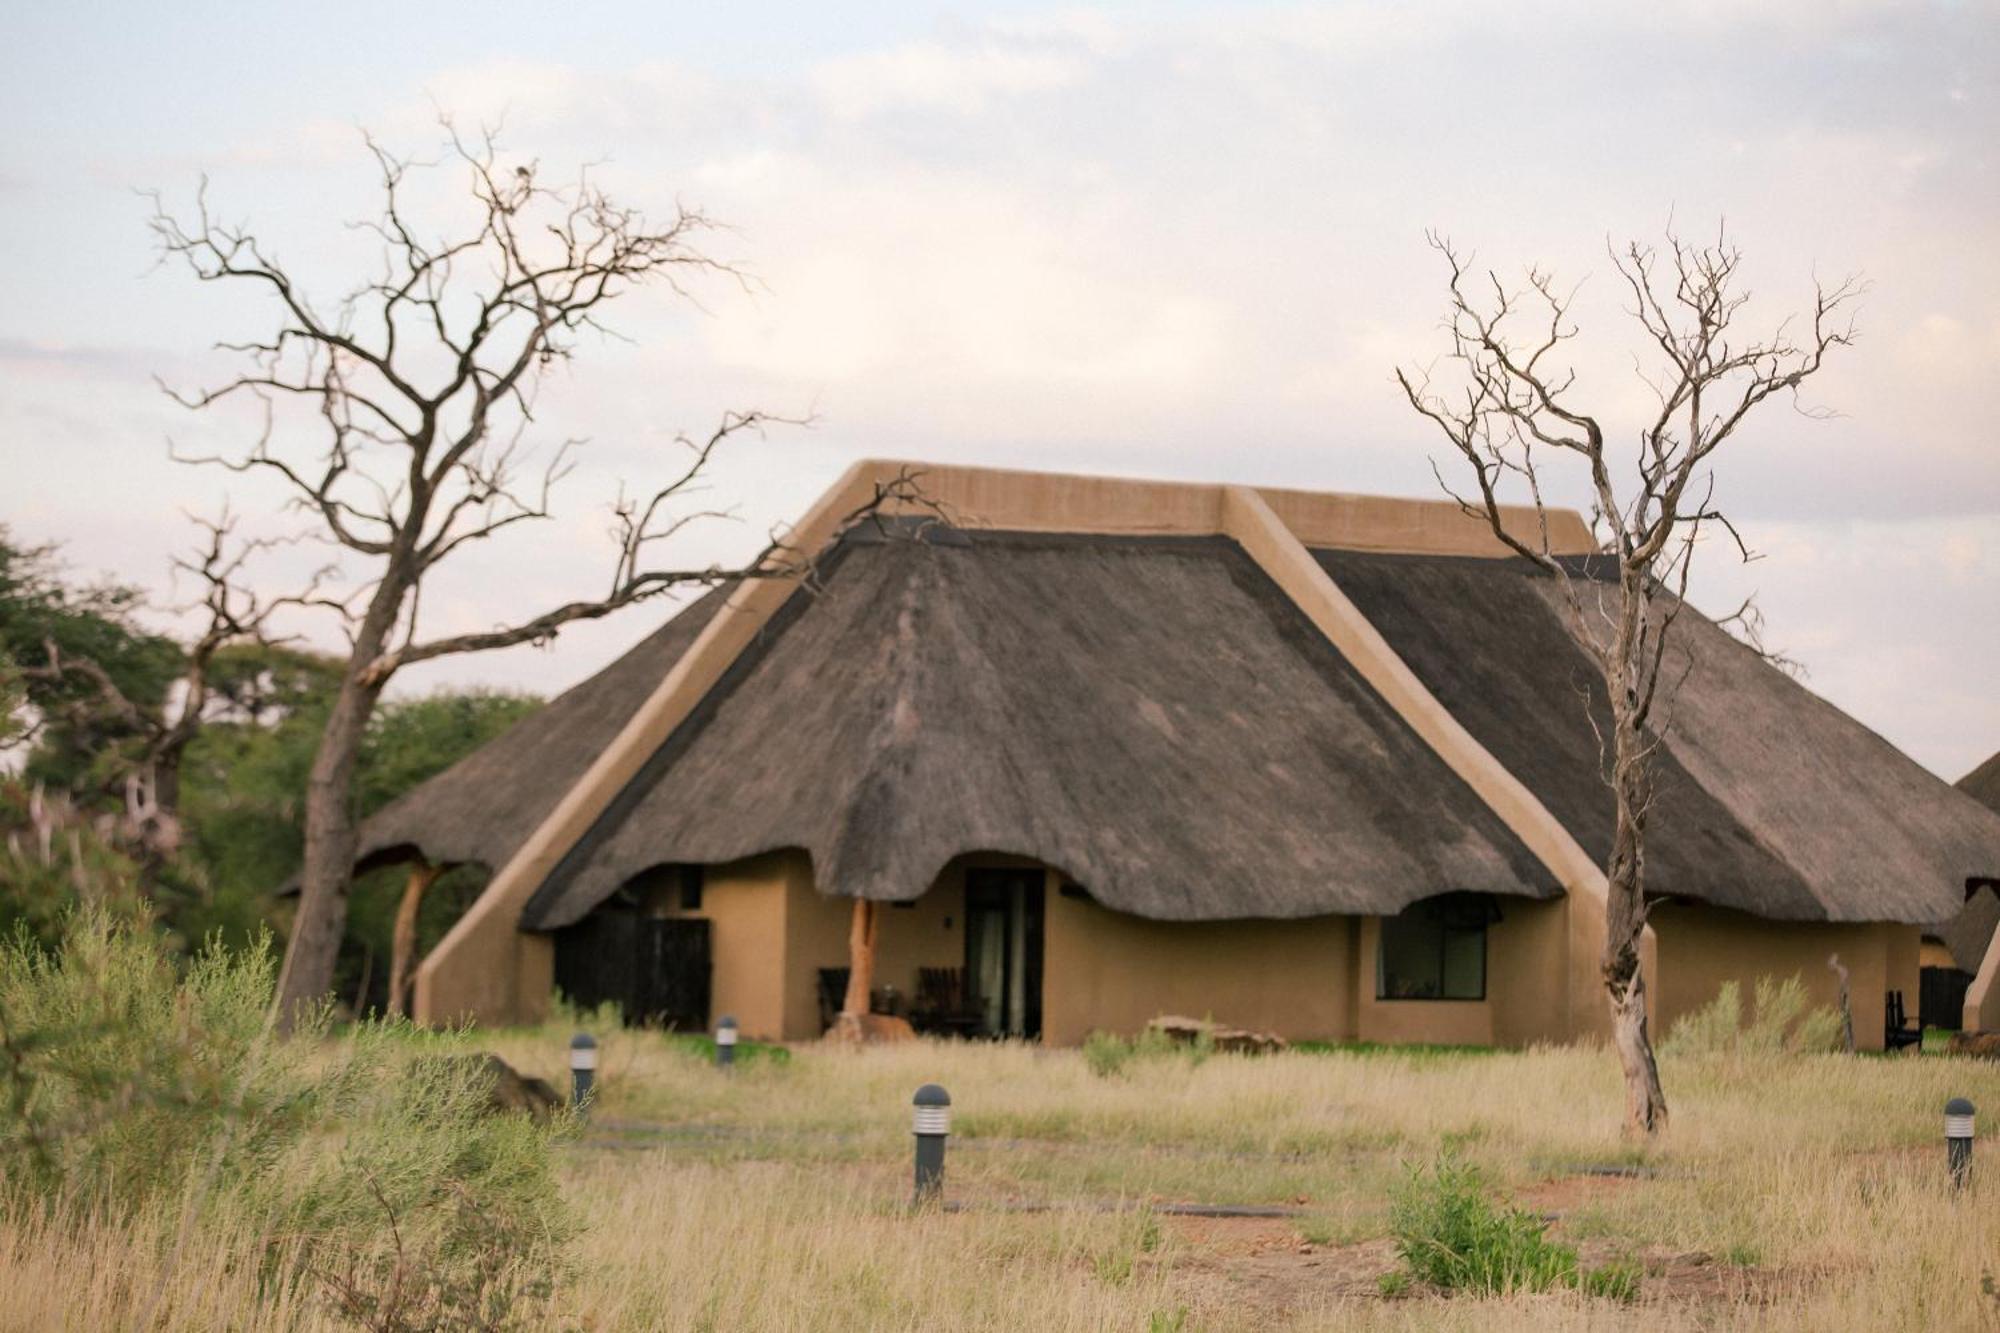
(691, 881)
(1435, 949)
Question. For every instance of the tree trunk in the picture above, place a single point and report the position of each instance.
(861, 960)
(1846, 1005)
(1625, 922)
(403, 940)
(321, 920)
(1625, 990)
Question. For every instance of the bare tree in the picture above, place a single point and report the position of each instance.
(407, 406)
(1512, 408)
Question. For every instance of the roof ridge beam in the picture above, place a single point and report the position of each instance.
(476, 969)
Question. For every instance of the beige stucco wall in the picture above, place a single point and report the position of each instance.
(1113, 972)
(745, 903)
(1701, 947)
(1310, 979)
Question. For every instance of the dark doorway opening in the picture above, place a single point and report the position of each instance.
(1941, 997)
(1003, 950)
(655, 968)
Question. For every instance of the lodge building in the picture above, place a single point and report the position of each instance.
(1087, 750)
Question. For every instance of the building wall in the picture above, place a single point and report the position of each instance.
(1701, 947)
(745, 904)
(1309, 979)
(1105, 970)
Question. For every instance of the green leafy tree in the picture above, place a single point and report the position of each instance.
(78, 726)
(244, 803)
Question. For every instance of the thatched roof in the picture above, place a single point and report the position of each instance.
(1970, 930)
(1968, 934)
(1154, 717)
(1769, 799)
(1982, 784)
(483, 807)
(1150, 715)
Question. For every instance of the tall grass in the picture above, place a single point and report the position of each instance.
(1782, 1020)
(774, 1195)
(362, 1172)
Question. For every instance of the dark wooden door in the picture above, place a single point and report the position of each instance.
(1941, 997)
(674, 973)
(656, 969)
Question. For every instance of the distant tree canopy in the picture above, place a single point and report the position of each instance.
(242, 794)
(75, 740)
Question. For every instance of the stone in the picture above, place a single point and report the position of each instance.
(509, 1089)
(1981, 1045)
(870, 1030)
(1220, 1036)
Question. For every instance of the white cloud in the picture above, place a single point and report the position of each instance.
(1189, 243)
(935, 77)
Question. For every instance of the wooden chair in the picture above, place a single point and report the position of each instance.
(1896, 1030)
(832, 994)
(942, 1004)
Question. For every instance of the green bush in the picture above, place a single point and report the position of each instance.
(1615, 1281)
(1107, 1054)
(1782, 1022)
(1450, 1234)
(135, 1089)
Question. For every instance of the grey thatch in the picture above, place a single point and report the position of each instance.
(1982, 784)
(1770, 800)
(1969, 932)
(483, 808)
(1151, 716)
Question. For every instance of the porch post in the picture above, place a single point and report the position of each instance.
(403, 940)
(860, 963)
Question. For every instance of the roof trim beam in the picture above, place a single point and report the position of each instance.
(1982, 997)
(475, 970)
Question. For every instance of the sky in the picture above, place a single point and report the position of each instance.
(1172, 240)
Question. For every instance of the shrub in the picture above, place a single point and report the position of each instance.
(1615, 1281)
(1781, 1022)
(1449, 1234)
(1106, 1053)
(375, 1172)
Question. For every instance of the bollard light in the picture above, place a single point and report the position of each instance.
(931, 1124)
(725, 1042)
(582, 1068)
(1958, 1141)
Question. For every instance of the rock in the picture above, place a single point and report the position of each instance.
(1220, 1037)
(509, 1089)
(870, 1029)
(1981, 1045)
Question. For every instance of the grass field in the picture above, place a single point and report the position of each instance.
(1791, 1192)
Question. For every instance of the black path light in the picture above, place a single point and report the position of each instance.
(582, 1068)
(725, 1042)
(1958, 1141)
(931, 1124)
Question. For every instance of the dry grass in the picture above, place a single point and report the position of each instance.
(1791, 1192)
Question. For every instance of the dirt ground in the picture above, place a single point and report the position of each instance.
(1265, 1266)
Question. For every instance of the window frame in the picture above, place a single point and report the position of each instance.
(1475, 907)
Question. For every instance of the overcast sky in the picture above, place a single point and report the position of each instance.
(1174, 240)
